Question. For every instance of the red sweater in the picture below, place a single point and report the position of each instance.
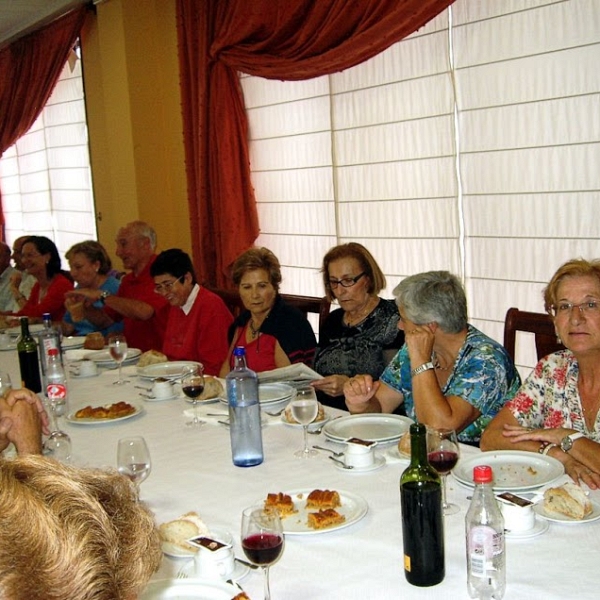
(53, 302)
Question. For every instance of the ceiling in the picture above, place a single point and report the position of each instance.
(21, 16)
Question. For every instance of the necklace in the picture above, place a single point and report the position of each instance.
(360, 317)
(253, 331)
(436, 364)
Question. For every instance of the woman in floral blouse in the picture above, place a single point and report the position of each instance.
(556, 410)
(448, 374)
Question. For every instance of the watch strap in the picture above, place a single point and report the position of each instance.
(422, 368)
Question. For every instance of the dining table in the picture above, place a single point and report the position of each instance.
(192, 470)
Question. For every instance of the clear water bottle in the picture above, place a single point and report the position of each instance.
(244, 413)
(484, 523)
(49, 338)
(56, 383)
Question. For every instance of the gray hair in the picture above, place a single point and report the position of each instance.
(142, 229)
(435, 296)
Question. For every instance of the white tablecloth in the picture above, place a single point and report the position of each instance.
(192, 470)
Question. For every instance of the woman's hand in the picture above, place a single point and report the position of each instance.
(579, 473)
(332, 385)
(419, 341)
(527, 434)
(358, 391)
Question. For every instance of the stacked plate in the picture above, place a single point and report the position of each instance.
(378, 428)
(272, 393)
(103, 358)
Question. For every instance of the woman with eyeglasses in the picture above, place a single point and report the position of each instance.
(274, 333)
(354, 338)
(90, 267)
(198, 319)
(556, 411)
(41, 259)
(448, 374)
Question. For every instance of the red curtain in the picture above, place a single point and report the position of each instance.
(29, 70)
(277, 39)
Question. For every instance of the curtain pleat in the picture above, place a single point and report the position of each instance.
(278, 39)
(29, 70)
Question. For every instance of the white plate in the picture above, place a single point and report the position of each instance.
(593, 516)
(150, 398)
(354, 508)
(394, 455)
(270, 393)
(103, 357)
(182, 589)
(71, 417)
(33, 328)
(371, 427)
(76, 375)
(175, 551)
(539, 528)
(513, 469)
(377, 464)
(165, 369)
(72, 341)
(239, 569)
(10, 346)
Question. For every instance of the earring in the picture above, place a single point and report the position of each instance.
(558, 340)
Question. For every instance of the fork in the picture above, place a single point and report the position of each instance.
(275, 414)
(344, 465)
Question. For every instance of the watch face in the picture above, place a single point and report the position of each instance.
(566, 444)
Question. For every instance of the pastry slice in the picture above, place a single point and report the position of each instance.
(322, 499)
(282, 503)
(325, 518)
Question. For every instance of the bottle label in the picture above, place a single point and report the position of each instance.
(56, 391)
(484, 543)
(407, 563)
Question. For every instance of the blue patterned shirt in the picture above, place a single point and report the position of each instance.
(483, 375)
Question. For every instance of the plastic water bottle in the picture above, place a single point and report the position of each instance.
(49, 338)
(484, 523)
(244, 413)
(56, 383)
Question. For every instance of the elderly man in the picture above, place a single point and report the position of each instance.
(7, 300)
(143, 312)
(21, 282)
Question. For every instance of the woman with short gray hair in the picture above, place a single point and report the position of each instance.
(448, 374)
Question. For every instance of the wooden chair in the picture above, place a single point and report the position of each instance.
(306, 304)
(540, 324)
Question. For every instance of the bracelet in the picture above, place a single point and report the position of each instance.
(422, 368)
(548, 447)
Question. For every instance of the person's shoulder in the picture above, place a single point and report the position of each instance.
(111, 284)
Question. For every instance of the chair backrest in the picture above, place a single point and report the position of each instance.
(540, 324)
(306, 304)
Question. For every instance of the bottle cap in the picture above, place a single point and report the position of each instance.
(482, 474)
(53, 352)
(239, 351)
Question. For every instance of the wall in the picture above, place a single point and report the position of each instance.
(133, 107)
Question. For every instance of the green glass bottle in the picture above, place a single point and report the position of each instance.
(28, 359)
(422, 515)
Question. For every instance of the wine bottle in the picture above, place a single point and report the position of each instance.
(422, 515)
(28, 359)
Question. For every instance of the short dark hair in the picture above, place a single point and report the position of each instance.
(45, 245)
(174, 262)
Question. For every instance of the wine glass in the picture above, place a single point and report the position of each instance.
(5, 383)
(117, 346)
(133, 460)
(262, 539)
(192, 384)
(305, 408)
(58, 444)
(443, 452)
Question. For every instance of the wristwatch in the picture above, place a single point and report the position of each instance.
(103, 296)
(422, 368)
(567, 442)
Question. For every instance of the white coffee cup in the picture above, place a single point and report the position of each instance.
(162, 388)
(516, 517)
(4, 340)
(216, 563)
(87, 368)
(359, 453)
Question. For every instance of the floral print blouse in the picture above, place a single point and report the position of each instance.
(483, 375)
(549, 398)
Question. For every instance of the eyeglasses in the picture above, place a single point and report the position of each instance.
(166, 287)
(346, 282)
(564, 308)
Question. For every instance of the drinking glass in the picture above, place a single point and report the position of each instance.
(117, 346)
(192, 384)
(58, 444)
(305, 408)
(5, 383)
(133, 460)
(443, 452)
(262, 539)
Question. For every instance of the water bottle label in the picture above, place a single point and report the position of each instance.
(56, 391)
(485, 543)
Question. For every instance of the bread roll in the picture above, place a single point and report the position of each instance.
(151, 357)
(94, 341)
(404, 445)
(178, 531)
(569, 500)
(213, 388)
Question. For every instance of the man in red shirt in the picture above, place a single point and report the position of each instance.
(143, 312)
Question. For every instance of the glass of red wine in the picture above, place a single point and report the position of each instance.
(262, 539)
(192, 385)
(117, 346)
(443, 452)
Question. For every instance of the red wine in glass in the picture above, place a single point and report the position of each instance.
(192, 386)
(263, 549)
(443, 452)
(443, 461)
(193, 390)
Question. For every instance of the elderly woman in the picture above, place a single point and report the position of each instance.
(273, 333)
(198, 319)
(74, 533)
(355, 337)
(556, 411)
(41, 259)
(448, 374)
(90, 266)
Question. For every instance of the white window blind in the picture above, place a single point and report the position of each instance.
(370, 155)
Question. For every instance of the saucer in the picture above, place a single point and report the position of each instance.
(78, 376)
(151, 398)
(239, 570)
(377, 464)
(540, 527)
